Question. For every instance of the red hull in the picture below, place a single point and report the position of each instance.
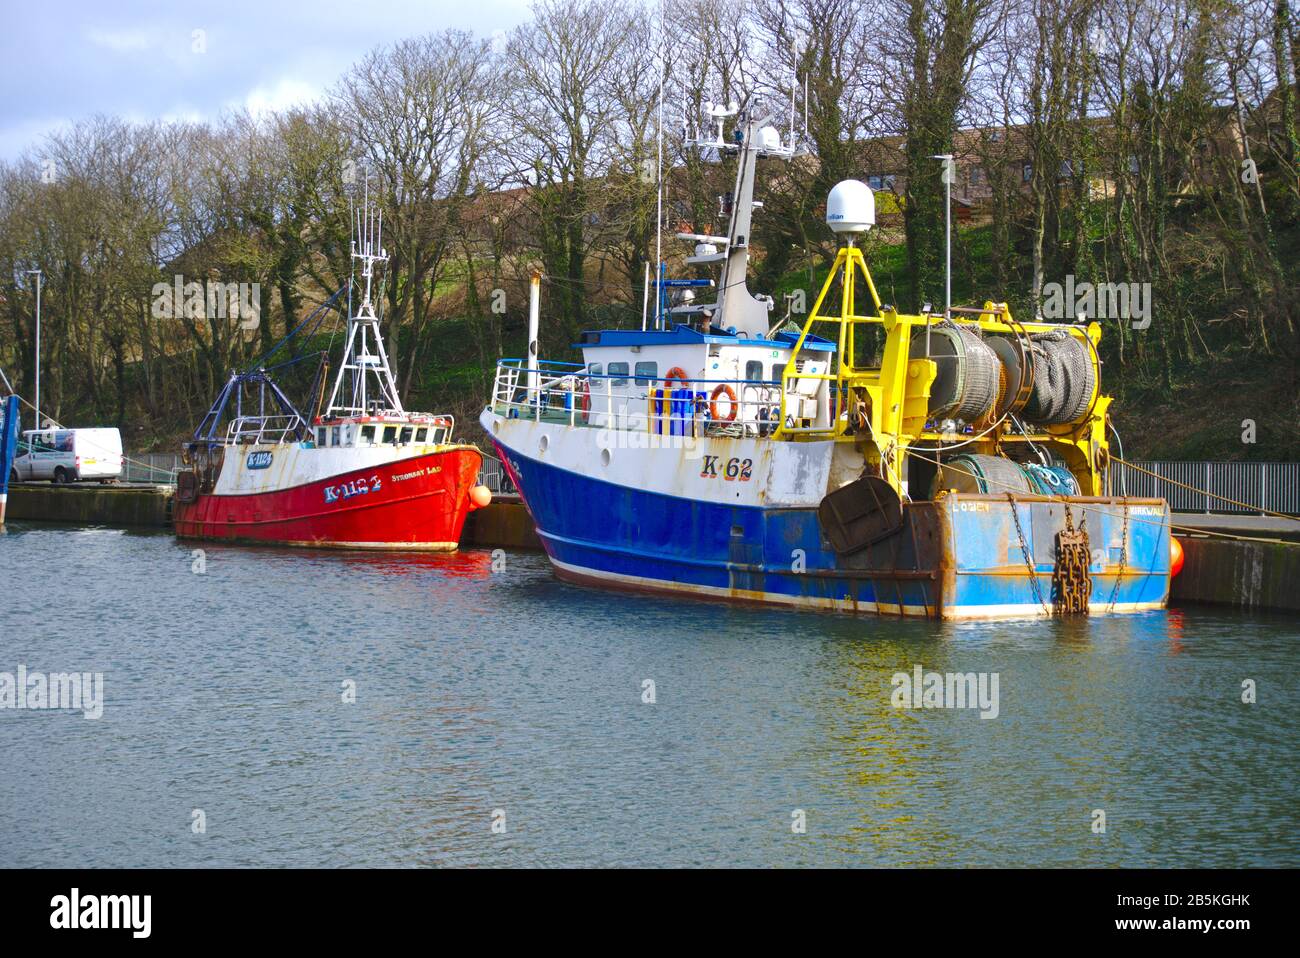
(417, 503)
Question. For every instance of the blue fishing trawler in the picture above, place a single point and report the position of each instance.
(947, 465)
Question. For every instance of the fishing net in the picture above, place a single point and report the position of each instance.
(1052, 480)
(1064, 378)
(967, 379)
(985, 474)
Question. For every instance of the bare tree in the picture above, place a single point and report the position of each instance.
(932, 51)
(419, 112)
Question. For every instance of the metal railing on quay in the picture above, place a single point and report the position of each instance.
(1263, 486)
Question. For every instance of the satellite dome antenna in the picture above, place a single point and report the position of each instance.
(850, 211)
(851, 208)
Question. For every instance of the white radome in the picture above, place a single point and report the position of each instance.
(851, 207)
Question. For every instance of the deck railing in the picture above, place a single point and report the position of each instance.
(1263, 486)
(569, 393)
(263, 430)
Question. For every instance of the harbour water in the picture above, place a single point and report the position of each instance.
(488, 692)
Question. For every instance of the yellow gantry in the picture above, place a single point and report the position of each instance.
(884, 409)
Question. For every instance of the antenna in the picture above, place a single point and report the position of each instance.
(359, 363)
(718, 115)
(805, 105)
(948, 175)
(368, 242)
(796, 50)
(659, 165)
(794, 81)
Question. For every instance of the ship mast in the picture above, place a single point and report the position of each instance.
(353, 394)
(755, 136)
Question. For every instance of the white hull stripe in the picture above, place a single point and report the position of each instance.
(726, 471)
(333, 544)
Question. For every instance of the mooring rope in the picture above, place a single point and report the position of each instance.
(1191, 530)
(1205, 492)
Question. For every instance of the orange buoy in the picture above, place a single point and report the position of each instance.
(479, 496)
(1175, 557)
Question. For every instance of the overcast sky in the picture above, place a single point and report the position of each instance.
(143, 59)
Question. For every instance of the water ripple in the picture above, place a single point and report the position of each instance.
(478, 691)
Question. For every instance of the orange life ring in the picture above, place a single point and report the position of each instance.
(723, 389)
(584, 400)
(676, 373)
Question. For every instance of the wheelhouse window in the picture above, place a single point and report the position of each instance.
(619, 372)
(321, 433)
(405, 436)
(367, 435)
(647, 371)
(335, 435)
(595, 369)
(753, 370)
(390, 434)
(420, 434)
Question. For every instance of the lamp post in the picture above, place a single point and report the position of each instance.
(37, 274)
(947, 229)
(534, 320)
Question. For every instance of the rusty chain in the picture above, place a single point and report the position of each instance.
(1029, 562)
(1071, 583)
(1123, 557)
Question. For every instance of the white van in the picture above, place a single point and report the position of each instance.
(68, 455)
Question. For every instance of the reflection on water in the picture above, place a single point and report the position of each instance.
(479, 690)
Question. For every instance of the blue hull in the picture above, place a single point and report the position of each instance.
(958, 557)
(9, 426)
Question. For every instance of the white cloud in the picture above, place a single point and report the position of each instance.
(120, 41)
(284, 93)
(140, 61)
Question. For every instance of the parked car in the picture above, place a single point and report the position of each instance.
(69, 455)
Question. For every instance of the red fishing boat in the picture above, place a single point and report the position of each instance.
(366, 474)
